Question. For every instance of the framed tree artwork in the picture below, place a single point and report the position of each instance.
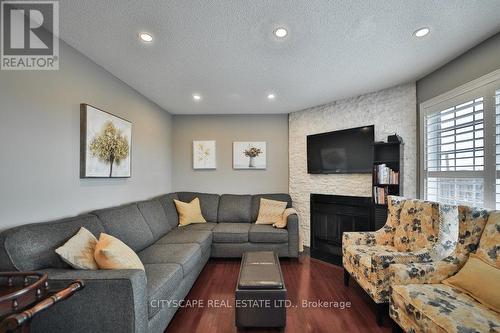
(105, 144)
(204, 155)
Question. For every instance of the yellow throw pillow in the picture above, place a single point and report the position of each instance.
(78, 251)
(189, 212)
(270, 211)
(112, 253)
(478, 280)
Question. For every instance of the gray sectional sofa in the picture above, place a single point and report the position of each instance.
(173, 257)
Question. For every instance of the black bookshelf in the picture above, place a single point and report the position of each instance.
(391, 154)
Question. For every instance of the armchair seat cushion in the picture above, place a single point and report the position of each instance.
(231, 232)
(162, 282)
(265, 233)
(440, 308)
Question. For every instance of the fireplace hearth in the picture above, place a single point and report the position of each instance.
(332, 215)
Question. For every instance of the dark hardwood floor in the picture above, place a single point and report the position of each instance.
(305, 279)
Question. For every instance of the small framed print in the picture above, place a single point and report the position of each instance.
(249, 155)
(204, 156)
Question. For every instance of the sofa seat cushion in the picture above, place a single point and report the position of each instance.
(209, 226)
(182, 236)
(187, 255)
(439, 308)
(162, 282)
(263, 233)
(231, 233)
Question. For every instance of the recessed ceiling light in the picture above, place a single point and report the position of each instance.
(145, 37)
(271, 96)
(196, 97)
(281, 32)
(422, 32)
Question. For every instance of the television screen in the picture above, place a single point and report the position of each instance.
(345, 151)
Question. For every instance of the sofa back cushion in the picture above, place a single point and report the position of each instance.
(418, 225)
(155, 217)
(489, 245)
(275, 196)
(167, 202)
(32, 247)
(209, 203)
(127, 224)
(235, 209)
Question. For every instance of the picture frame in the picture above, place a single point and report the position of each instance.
(105, 144)
(204, 155)
(249, 155)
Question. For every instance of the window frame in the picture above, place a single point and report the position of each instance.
(486, 87)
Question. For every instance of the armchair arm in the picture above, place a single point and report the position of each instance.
(112, 301)
(292, 226)
(383, 236)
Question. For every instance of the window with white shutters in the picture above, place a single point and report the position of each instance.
(460, 148)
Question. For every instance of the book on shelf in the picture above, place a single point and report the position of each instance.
(385, 175)
(380, 195)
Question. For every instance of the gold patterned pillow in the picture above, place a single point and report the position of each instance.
(78, 251)
(418, 225)
(270, 211)
(489, 245)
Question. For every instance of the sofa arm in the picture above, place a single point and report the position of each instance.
(292, 226)
(423, 273)
(112, 301)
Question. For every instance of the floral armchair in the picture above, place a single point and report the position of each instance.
(419, 302)
(416, 231)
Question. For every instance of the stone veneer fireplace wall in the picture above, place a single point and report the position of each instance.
(391, 110)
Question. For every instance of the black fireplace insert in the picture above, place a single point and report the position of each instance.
(332, 215)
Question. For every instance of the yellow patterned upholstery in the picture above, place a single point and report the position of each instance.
(425, 231)
(419, 302)
(440, 308)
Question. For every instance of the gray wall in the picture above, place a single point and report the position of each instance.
(478, 61)
(39, 142)
(225, 129)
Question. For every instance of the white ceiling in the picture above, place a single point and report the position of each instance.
(225, 50)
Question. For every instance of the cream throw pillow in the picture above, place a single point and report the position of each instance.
(112, 253)
(270, 211)
(189, 212)
(478, 280)
(78, 251)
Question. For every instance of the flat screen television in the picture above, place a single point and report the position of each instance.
(345, 151)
